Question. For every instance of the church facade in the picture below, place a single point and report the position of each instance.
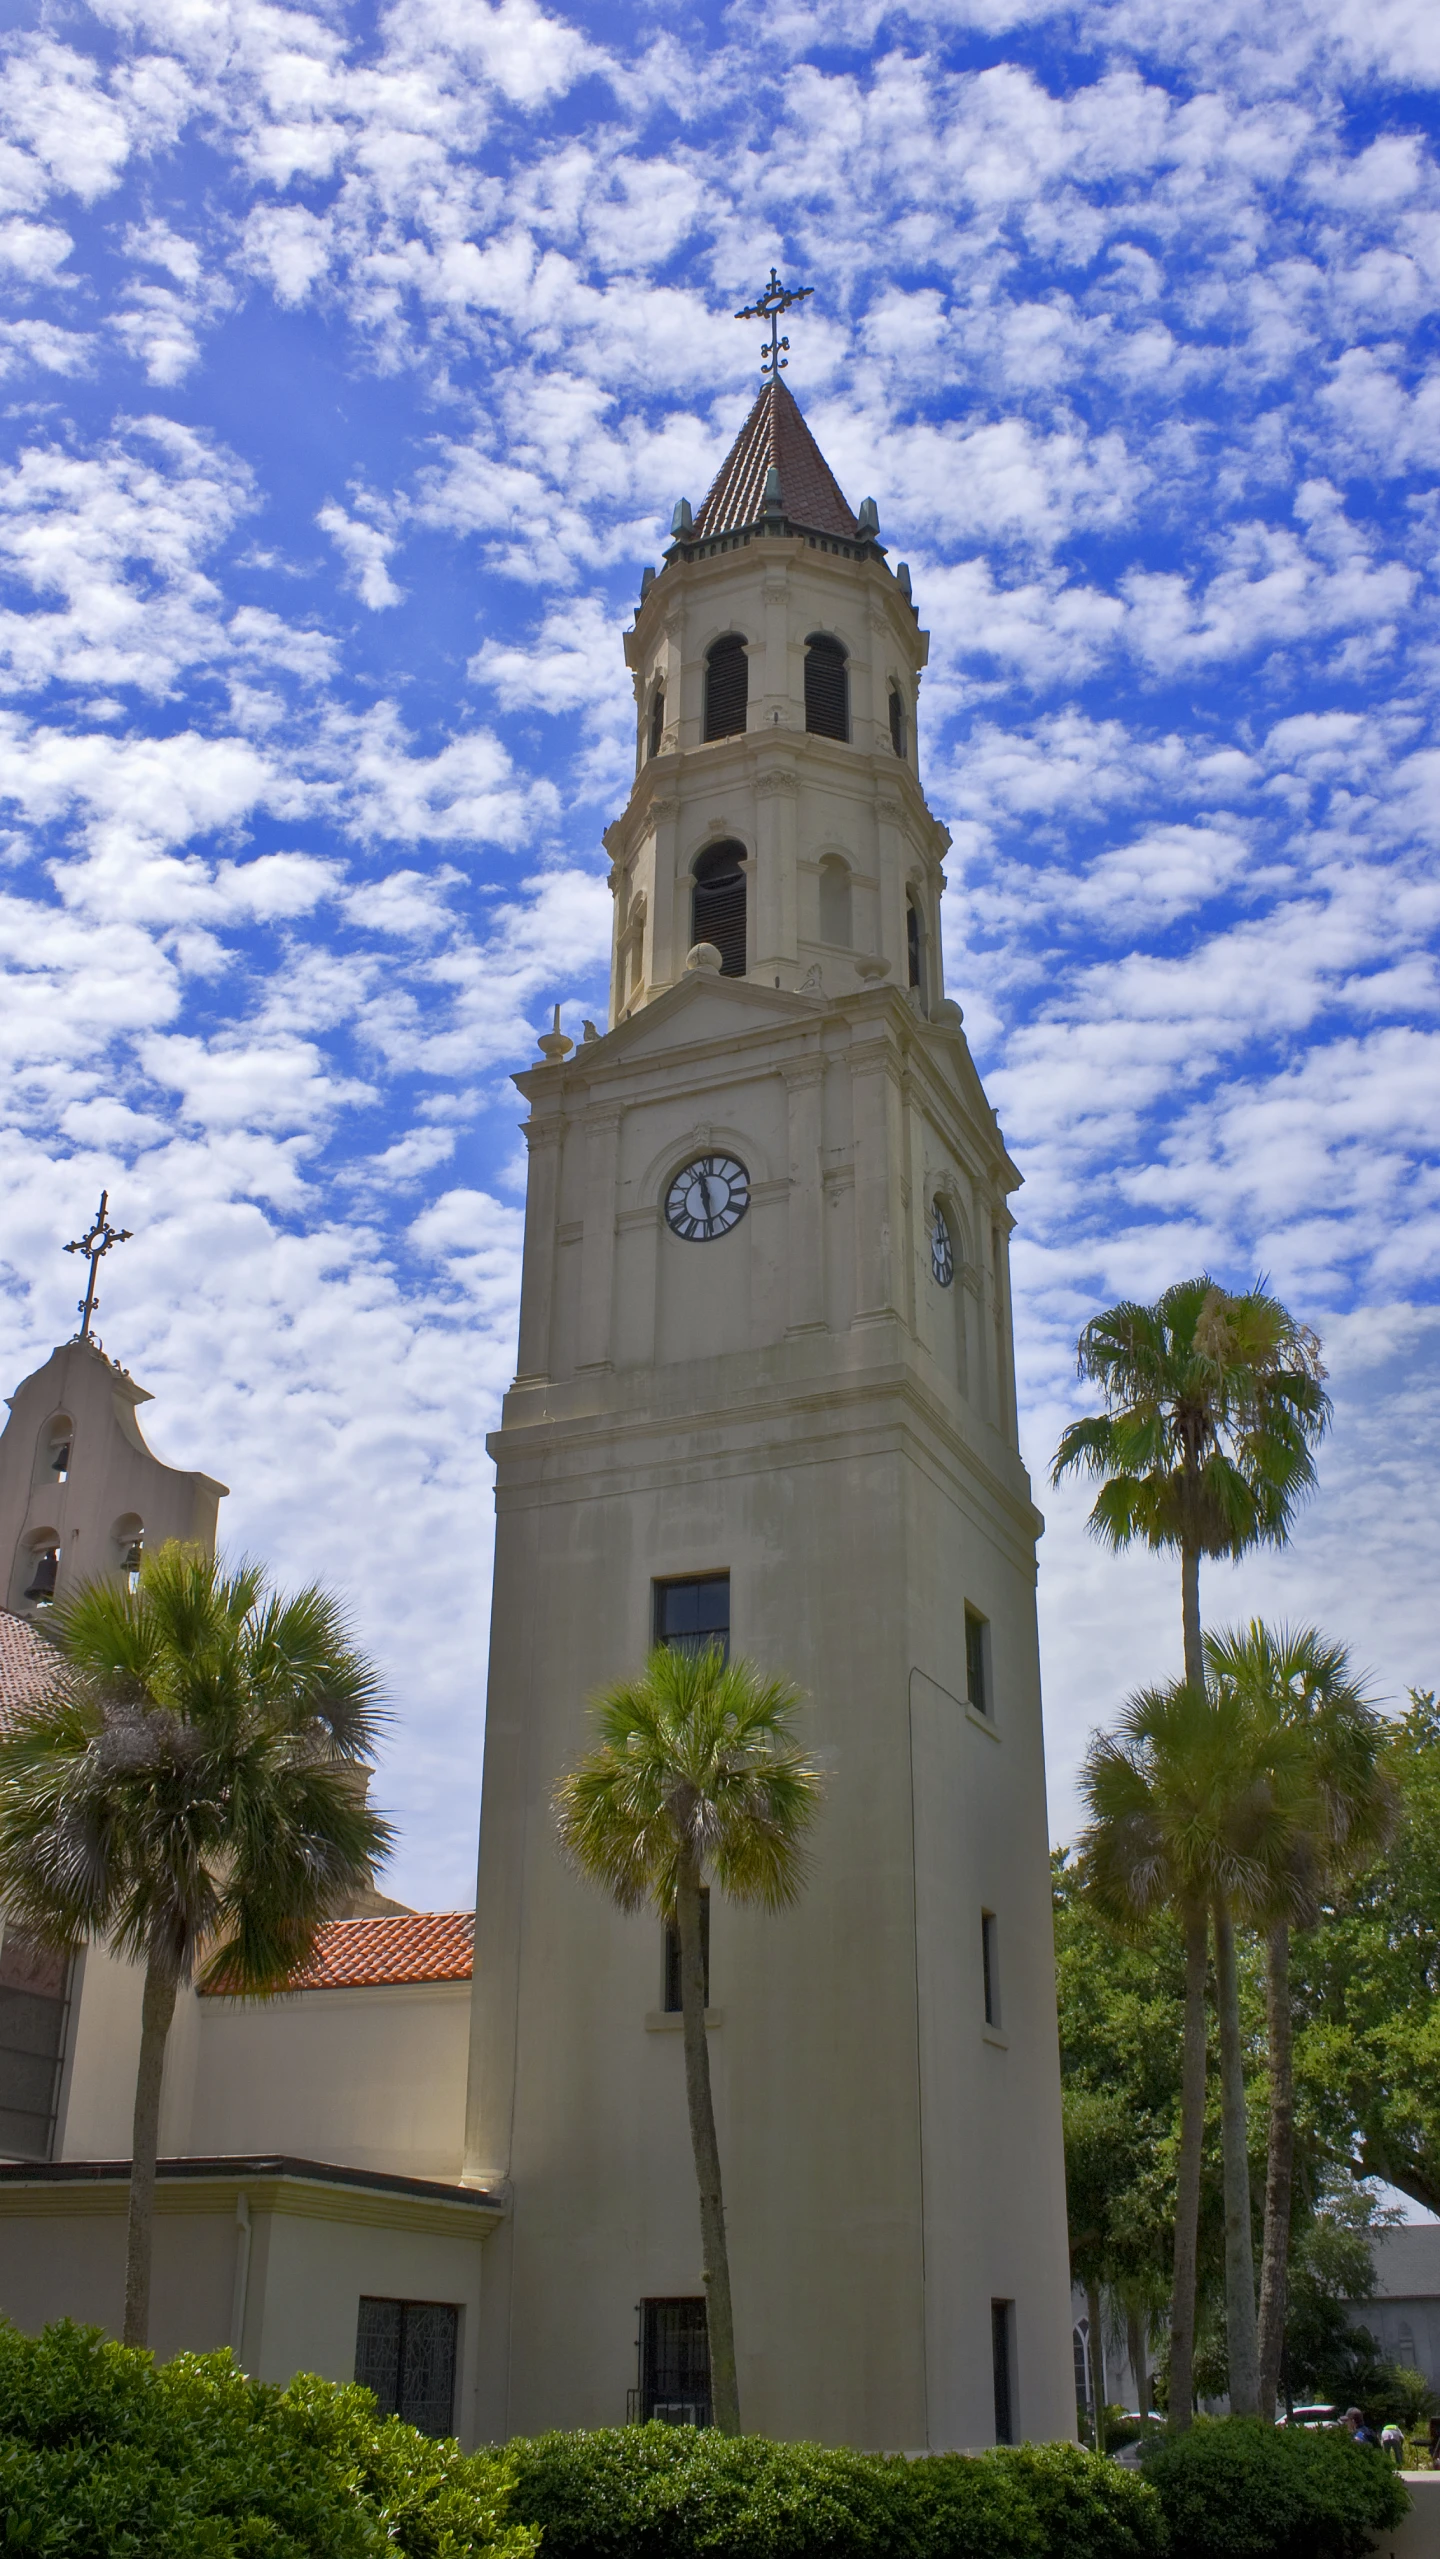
(765, 1393)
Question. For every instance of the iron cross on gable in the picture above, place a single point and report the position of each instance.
(776, 299)
(97, 1244)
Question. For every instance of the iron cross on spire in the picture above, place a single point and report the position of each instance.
(97, 1244)
(776, 299)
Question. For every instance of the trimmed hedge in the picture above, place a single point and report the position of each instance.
(1234, 2489)
(671, 2492)
(105, 2456)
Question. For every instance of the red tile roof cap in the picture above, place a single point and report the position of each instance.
(369, 1954)
(775, 436)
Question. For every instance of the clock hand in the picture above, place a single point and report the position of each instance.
(705, 1195)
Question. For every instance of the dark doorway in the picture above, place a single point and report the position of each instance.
(674, 2363)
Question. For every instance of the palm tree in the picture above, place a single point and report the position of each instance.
(185, 1793)
(1213, 1406)
(1299, 1685)
(696, 1771)
(1185, 1817)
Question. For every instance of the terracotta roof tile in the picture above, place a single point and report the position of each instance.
(366, 1954)
(776, 433)
(27, 1663)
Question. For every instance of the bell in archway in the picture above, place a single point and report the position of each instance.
(42, 1581)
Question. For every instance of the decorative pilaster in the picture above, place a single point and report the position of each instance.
(597, 1250)
(777, 919)
(805, 1246)
(542, 1191)
(876, 1106)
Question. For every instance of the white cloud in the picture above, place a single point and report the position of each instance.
(365, 549)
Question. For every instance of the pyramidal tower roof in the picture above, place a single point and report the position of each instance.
(775, 437)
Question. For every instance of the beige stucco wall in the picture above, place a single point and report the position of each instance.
(364, 2078)
(286, 2293)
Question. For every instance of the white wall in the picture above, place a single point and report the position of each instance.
(363, 2078)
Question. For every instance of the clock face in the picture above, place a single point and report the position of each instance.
(942, 1251)
(707, 1198)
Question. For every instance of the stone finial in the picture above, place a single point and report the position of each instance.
(682, 521)
(772, 503)
(868, 518)
(555, 1043)
(590, 1033)
(704, 959)
(871, 966)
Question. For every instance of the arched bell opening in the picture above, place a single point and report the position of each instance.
(717, 912)
(128, 1539)
(836, 926)
(52, 1454)
(727, 687)
(827, 686)
(38, 1568)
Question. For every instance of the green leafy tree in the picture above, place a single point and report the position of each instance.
(1367, 2053)
(1213, 1404)
(185, 1793)
(697, 1771)
(1186, 1817)
(1306, 1703)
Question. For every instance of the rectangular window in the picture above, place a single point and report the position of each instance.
(405, 2353)
(673, 2001)
(674, 2363)
(34, 2010)
(1002, 2346)
(977, 1661)
(990, 1966)
(691, 1615)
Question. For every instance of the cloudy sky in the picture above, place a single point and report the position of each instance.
(353, 362)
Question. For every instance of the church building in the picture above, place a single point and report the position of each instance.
(765, 1396)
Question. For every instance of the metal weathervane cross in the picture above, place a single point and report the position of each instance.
(97, 1244)
(776, 299)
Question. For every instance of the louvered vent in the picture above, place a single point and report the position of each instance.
(727, 688)
(719, 910)
(827, 689)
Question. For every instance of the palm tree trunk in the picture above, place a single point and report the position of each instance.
(1190, 1616)
(1279, 2167)
(1187, 2179)
(1097, 2362)
(714, 2255)
(1135, 2323)
(157, 2007)
(1241, 2335)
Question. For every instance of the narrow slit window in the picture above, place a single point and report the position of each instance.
(990, 1967)
(718, 906)
(835, 901)
(673, 2001)
(897, 720)
(657, 718)
(977, 1661)
(1002, 2350)
(827, 687)
(727, 687)
(914, 947)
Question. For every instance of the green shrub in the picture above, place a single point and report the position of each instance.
(104, 2455)
(1234, 2489)
(670, 2492)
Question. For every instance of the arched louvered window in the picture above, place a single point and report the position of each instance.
(915, 947)
(727, 687)
(835, 901)
(897, 720)
(718, 913)
(827, 688)
(657, 718)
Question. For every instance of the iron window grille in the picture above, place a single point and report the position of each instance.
(727, 688)
(674, 2363)
(689, 1616)
(827, 688)
(718, 911)
(405, 2351)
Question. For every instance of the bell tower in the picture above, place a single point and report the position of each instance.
(765, 1389)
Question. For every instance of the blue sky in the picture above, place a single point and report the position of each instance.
(352, 364)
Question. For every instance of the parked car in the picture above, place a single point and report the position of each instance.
(1321, 2412)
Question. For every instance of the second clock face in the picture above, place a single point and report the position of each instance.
(707, 1198)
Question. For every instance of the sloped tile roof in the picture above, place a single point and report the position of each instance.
(368, 1954)
(776, 433)
(27, 1663)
